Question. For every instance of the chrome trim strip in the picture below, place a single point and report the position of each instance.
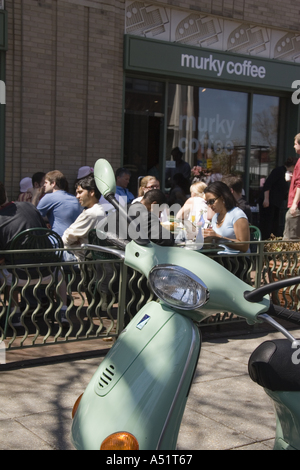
(280, 328)
(105, 249)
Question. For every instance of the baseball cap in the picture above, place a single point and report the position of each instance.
(25, 184)
(84, 171)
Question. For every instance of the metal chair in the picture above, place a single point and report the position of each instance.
(94, 240)
(45, 241)
(255, 236)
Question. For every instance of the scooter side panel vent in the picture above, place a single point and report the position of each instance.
(106, 378)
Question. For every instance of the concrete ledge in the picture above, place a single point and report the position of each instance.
(57, 353)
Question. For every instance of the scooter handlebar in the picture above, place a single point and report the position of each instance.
(284, 314)
(257, 295)
(276, 311)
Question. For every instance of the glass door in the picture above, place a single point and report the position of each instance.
(2, 114)
(143, 129)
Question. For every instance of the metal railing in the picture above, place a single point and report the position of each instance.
(61, 303)
(269, 261)
(99, 296)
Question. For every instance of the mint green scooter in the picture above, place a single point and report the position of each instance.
(137, 397)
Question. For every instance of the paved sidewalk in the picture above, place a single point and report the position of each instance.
(225, 410)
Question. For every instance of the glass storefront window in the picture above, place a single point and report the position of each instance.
(264, 142)
(209, 126)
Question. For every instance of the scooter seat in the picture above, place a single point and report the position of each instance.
(275, 365)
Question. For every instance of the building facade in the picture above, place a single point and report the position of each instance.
(130, 80)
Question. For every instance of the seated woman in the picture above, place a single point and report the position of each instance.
(195, 206)
(147, 184)
(230, 223)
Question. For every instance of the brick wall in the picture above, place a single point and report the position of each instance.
(64, 82)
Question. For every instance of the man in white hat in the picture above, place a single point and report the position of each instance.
(25, 190)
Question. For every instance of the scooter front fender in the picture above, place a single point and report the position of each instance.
(142, 385)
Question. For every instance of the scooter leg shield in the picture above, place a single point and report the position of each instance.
(142, 385)
(273, 367)
(287, 409)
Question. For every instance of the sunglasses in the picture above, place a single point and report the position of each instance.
(155, 186)
(211, 202)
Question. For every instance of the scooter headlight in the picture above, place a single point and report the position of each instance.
(178, 287)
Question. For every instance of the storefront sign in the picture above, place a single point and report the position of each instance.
(173, 60)
(3, 30)
(246, 69)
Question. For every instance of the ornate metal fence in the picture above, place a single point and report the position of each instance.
(281, 260)
(65, 303)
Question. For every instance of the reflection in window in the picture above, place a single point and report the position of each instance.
(209, 126)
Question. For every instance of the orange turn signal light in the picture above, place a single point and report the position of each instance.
(75, 407)
(120, 441)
